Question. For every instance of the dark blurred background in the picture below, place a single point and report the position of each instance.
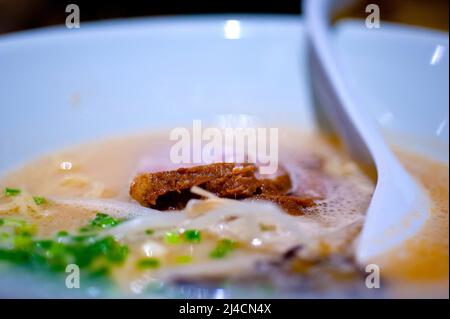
(18, 15)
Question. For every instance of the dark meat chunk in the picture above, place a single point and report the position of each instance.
(171, 189)
(224, 179)
(292, 204)
(280, 184)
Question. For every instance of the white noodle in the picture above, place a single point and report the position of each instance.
(23, 203)
(242, 221)
(201, 192)
(225, 218)
(154, 220)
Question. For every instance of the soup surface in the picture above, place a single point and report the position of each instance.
(74, 207)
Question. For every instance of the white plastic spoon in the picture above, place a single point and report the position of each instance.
(399, 206)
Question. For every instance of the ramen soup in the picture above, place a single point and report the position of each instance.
(124, 214)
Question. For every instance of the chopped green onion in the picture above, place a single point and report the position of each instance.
(264, 227)
(22, 241)
(39, 200)
(85, 229)
(172, 237)
(12, 191)
(149, 231)
(185, 259)
(223, 248)
(16, 227)
(104, 221)
(148, 263)
(62, 233)
(192, 235)
(95, 254)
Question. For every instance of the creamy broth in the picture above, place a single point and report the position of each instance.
(420, 266)
(318, 166)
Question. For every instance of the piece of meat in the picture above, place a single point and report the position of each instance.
(280, 184)
(171, 189)
(291, 204)
(224, 179)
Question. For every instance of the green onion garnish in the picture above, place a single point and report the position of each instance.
(264, 227)
(12, 191)
(184, 259)
(104, 221)
(148, 263)
(94, 254)
(62, 233)
(223, 248)
(192, 235)
(39, 200)
(172, 237)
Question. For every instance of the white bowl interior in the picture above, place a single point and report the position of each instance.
(400, 75)
(61, 86)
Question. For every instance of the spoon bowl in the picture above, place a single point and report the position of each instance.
(399, 205)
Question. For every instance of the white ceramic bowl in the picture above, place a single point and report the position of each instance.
(59, 86)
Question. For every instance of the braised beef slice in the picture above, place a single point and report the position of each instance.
(292, 204)
(171, 189)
